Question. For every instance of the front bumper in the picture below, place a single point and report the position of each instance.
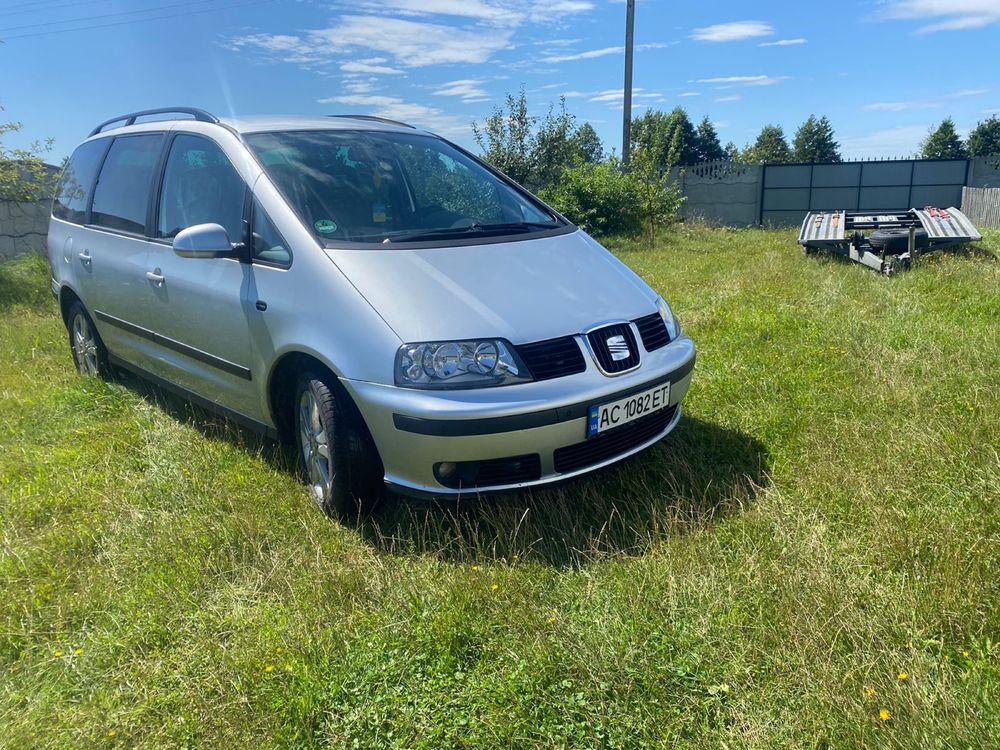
(416, 429)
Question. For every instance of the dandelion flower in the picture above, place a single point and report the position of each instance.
(902, 676)
(551, 620)
(494, 587)
(475, 567)
(112, 733)
(57, 654)
(965, 654)
(78, 652)
(278, 650)
(884, 714)
(870, 692)
(269, 668)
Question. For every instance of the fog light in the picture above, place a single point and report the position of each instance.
(446, 469)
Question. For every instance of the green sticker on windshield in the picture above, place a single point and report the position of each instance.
(325, 226)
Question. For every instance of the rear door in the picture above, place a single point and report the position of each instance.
(198, 307)
(113, 247)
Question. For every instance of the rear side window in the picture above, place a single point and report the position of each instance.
(77, 181)
(122, 193)
(200, 186)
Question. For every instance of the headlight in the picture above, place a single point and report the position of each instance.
(673, 325)
(459, 364)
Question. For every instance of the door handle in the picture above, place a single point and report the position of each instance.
(84, 257)
(156, 277)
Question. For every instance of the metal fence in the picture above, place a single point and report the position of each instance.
(790, 190)
(982, 206)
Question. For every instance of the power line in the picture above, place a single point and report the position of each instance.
(102, 15)
(44, 9)
(134, 20)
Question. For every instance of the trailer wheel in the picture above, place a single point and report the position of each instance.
(896, 240)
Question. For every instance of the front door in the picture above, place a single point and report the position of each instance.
(198, 307)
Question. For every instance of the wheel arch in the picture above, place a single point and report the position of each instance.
(281, 382)
(66, 299)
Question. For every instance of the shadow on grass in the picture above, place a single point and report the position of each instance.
(968, 250)
(24, 281)
(699, 473)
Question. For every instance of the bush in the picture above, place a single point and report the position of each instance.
(600, 198)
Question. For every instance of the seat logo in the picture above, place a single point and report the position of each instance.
(618, 348)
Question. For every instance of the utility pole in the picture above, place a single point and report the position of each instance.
(627, 108)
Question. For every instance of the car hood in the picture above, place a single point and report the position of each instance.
(524, 290)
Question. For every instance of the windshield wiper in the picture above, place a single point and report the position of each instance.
(474, 228)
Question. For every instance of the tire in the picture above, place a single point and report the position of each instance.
(337, 456)
(89, 353)
(897, 240)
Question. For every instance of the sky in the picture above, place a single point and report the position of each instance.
(883, 71)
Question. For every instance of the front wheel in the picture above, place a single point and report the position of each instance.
(89, 354)
(339, 461)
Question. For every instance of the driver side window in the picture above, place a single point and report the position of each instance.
(200, 186)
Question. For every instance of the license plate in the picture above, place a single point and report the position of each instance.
(604, 417)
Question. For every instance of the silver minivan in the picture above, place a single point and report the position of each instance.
(401, 311)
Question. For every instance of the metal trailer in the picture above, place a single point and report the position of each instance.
(886, 241)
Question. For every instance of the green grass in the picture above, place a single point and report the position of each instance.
(824, 518)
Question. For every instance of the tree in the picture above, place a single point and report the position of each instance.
(984, 140)
(24, 175)
(732, 152)
(587, 145)
(661, 131)
(769, 148)
(814, 141)
(551, 147)
(533, 151)
(505, 138)
(709, 148)
(943, 142)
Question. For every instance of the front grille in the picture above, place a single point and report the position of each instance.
(599, 343)
(553, 358)
(652, 331)
(494, 472)
(612, 443)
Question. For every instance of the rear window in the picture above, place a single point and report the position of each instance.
(77, 181)
(121, 196)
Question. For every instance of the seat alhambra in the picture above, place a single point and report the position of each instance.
(402, 312)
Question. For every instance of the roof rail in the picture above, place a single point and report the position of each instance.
(386, 120)
(198, 114)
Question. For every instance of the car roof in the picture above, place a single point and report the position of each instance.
(265, 123)
(250, 124)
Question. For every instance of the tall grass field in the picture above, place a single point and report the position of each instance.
(810, 560)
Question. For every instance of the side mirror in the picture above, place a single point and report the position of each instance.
(204, 241)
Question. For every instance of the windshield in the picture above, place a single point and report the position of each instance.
(374, 187)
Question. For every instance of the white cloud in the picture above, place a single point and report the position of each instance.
(617, 96)
(946, 15)
(469, 89)
(409, 44)
(929, 103)
(589, 54)
(889, 142)
(395, 108)
(690, 93)
(371, 66)
(729, 98)
(744, 80)
(490, 12)
(732, 32)
(784, 42)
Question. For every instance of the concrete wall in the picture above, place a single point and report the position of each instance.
(721, 192)
(23, 227)
(731, 194)
(984, 171)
